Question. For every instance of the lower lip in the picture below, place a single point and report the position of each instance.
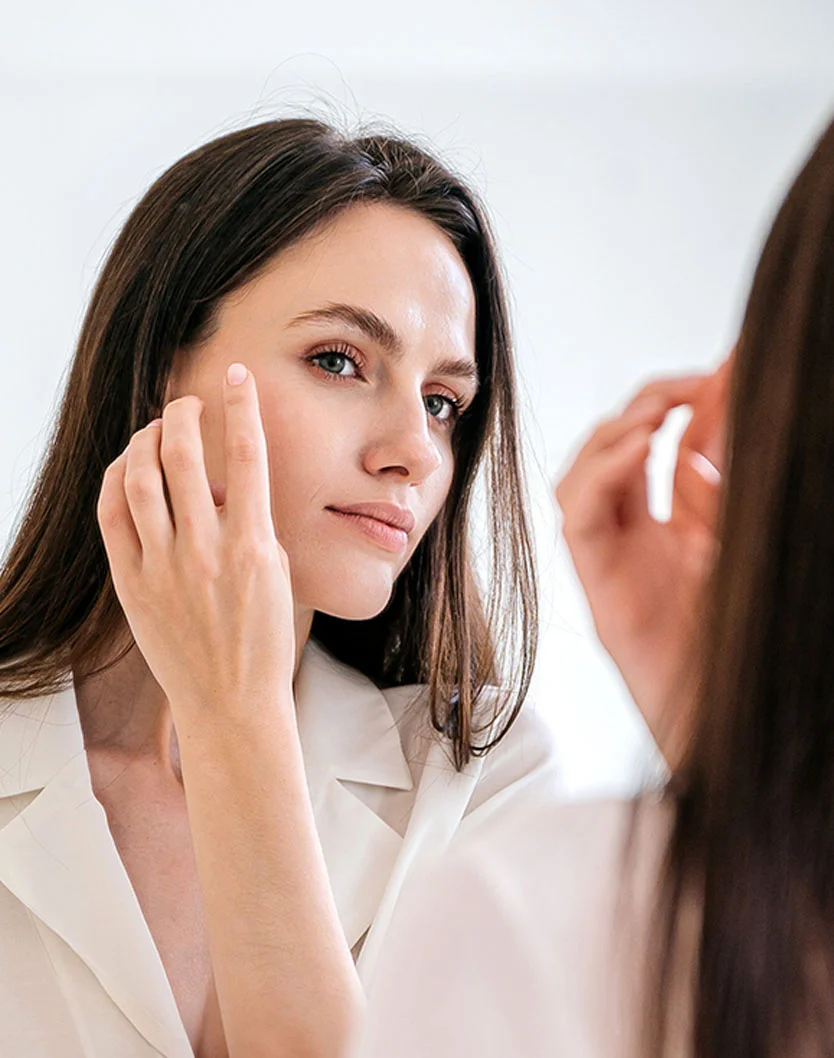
(382, 534)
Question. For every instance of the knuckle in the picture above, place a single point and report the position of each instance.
(140, 485)
(253, 551)
(649, 403)
(203, 563)
(177, 455)
(242, 448)
(108, 515)
(109, 484)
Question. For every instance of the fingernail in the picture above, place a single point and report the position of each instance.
(155, 422)
(708, 471)
(235, 374)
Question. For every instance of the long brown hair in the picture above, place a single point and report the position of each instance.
(208, 225)
(753, 838)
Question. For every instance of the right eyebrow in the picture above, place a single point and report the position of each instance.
(371, 325)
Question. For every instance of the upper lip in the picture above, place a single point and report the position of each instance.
(389, 513)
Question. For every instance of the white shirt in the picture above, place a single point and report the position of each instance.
(528, 938)
(80, 975)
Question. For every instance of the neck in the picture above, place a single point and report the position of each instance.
(125, 716)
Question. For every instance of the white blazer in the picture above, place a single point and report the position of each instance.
(80, 975)
(530, 937)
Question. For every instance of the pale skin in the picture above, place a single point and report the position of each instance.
(191, 738)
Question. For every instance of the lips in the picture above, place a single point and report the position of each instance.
(388, 513)
(385, 525)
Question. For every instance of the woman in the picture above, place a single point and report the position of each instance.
(295, 362)
(698, 922)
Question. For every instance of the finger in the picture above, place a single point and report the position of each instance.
(247, 471)
(696, 490)
(599, 500)
(705, 432)
(183, 462)
(635, 500)
(121, 541)
(582, 467)
(652, 403)
(144, 490)
(679, 389)
(650, 411)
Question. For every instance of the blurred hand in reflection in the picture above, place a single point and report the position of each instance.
(644, 579)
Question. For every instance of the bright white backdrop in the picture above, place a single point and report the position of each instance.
(631, 153)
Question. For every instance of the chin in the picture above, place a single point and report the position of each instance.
(350, 594)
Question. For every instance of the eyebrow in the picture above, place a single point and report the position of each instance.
(383, 334)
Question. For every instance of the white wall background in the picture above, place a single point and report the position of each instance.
(631, 152)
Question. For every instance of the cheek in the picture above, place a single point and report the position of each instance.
(304, 452)
(436, 490)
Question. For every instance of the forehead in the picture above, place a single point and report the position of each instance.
(387, 259)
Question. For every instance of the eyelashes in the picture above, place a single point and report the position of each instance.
(337, 353)
(329, 360)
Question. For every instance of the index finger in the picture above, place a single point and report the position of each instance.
(652, 403)
(247, 469)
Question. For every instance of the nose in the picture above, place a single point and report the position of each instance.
(403, 445)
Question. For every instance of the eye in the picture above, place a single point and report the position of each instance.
(335, 362)
(442, 408)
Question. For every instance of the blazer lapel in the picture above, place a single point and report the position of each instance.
(349, 735)
(58, 858)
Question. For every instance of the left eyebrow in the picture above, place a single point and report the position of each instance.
(381, 332)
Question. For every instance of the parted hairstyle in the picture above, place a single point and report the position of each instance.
(211, 223)
(753, 837)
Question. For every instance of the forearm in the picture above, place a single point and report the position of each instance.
(285, 979)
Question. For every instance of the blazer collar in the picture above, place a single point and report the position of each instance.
(38, 736)
(59, 859)
(350, 741)
(346, 727)
(58, 856)
(345, 724)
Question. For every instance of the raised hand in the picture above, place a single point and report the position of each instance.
(645, 579)
(205, 589)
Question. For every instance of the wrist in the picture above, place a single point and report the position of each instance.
(224, 722)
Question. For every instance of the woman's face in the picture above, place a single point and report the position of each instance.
(362, 342)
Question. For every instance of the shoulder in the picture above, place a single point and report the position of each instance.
(561, 858)
(523, 763)
(527, 751)
(525, 918)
